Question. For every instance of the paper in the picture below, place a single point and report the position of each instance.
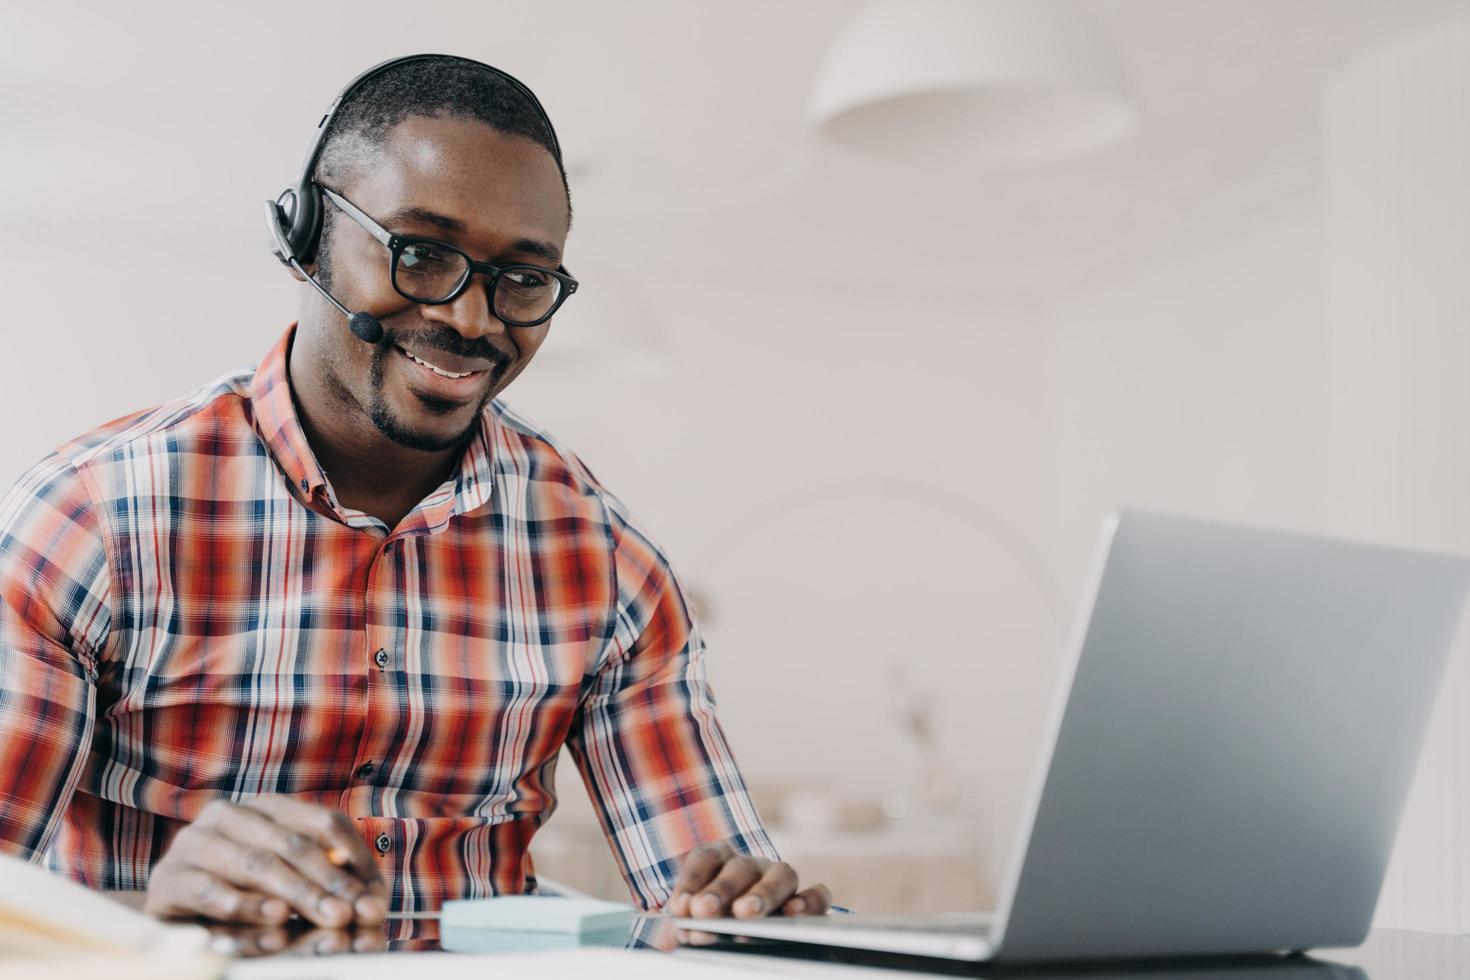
(578, 964)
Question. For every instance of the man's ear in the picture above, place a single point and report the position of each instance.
(308, 266)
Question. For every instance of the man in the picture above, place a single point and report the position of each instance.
(310, 638)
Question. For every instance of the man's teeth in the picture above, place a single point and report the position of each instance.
(439, 370)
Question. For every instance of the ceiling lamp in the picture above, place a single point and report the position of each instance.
(999, 82)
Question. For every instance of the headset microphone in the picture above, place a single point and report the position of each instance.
(364, 326)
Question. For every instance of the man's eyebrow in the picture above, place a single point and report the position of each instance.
(424, 216)
(445, 222)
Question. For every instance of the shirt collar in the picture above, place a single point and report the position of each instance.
(278, 424)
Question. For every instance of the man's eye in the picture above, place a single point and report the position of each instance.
(528, 279)
(419, 257)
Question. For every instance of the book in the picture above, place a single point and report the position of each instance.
(52, 928)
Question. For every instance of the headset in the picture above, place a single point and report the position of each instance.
(294, 217)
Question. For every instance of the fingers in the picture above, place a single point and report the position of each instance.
(699, 868)
(324, 942)
(733, 881)
(255, 861)
(775, 886)
(714, 881)
(248, 826)
(324, 845)
(192, 892)
(332, 829)
(261, 870)
(241, 941)
(691, 937)
(816, 900)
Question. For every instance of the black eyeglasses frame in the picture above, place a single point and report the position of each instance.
(397, 243)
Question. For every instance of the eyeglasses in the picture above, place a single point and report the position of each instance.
(432, 272)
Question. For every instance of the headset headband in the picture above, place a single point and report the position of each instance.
(309, 163)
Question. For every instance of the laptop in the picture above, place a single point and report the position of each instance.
(1227, 759)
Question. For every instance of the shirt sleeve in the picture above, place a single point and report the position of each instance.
(54, 619)
(647, 742)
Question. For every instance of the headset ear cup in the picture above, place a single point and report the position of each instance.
(278, 223)
(306, 218)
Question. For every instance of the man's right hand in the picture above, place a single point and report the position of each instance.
(259, 859)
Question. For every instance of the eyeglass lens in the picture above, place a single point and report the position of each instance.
(430, 273)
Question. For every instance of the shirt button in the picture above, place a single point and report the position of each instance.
(304, 484)
(365, 771)
(381, 658)
(384, 843)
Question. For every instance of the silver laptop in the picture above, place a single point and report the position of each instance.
(1227, 760)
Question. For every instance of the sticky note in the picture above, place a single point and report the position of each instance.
(537, 913)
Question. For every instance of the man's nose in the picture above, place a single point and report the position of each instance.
(469, 312)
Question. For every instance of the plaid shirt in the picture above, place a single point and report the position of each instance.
(187, 614)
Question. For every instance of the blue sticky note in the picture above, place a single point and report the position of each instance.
(457, 939)
(537, 913)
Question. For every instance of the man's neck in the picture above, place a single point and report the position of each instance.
(367, 470)
(386, 481)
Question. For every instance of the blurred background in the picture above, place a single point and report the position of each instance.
(883, 307)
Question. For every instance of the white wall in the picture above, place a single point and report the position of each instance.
(1198, 383)
(106, 316)
(1399, 250)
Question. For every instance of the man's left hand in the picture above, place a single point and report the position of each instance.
(714, 881)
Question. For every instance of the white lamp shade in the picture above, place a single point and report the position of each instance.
(1006, 82)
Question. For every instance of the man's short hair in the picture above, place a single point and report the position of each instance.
(434, 86)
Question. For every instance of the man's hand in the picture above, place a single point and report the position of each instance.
(257, 860)
(715, 881)
(243, 941)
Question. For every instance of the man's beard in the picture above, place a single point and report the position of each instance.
(378, 410)
(388, 424)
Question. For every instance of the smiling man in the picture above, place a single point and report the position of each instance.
(310, 638)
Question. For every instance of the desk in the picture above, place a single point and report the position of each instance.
(1387, 955)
